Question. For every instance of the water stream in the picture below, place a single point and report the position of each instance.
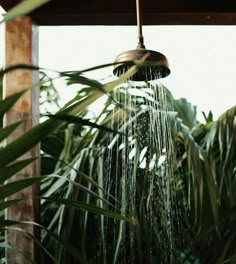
(141, 174)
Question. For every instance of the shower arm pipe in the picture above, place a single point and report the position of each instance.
(139, 23)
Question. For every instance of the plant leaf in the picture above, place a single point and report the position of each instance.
(6, 204)
(66, 245)
(25, 142)
(16, 186)
(88, 207)
(7, 103)
(7, 172)
(81, 121)
(23, 8)
(6, 131)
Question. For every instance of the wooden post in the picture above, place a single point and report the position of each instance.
(22, 47)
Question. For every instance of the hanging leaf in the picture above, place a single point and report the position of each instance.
(7, 172)
(7, 204)
(7, 103)
(81, 121)
(6, 131)
(25, 142)
(16, 186)
(89, 208)
(23, 8)
(19, 67)
(6, 224)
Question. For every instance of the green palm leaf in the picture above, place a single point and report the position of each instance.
(23, 8)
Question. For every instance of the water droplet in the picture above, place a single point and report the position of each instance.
(143, 164)
(121, 146)
(142, 154)
(161, 160)
(152, 162)
(132, 153)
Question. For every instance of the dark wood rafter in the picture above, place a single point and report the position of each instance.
(110, 12)
(21, 36)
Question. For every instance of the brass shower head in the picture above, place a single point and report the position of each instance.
(154, 65)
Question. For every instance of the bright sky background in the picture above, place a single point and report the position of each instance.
(202, 58)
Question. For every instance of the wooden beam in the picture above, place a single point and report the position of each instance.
(104, 12)
(21, 37)
(152, 18)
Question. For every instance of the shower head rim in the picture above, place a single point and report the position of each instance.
(143, 58)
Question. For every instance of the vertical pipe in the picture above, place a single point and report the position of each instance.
(139, 24)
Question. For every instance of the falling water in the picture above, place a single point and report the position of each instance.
(141, 174)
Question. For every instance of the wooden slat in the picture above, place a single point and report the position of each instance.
(209, 18)
(22, 47)
(111, 12)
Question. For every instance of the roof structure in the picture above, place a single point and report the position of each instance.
(122, 12)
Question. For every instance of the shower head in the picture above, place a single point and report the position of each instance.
(154, 65)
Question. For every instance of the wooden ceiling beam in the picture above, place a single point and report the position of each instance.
(181, 18)
(111, 12)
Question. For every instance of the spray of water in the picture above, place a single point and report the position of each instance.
(141, 174)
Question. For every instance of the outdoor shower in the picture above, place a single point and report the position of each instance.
(154, 65)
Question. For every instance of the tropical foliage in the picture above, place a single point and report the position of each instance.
(74, 160)
(204, 161)
(82, 215)
(99, 173)
(13, 150)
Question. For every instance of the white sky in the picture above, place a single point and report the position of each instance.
(202, 58)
